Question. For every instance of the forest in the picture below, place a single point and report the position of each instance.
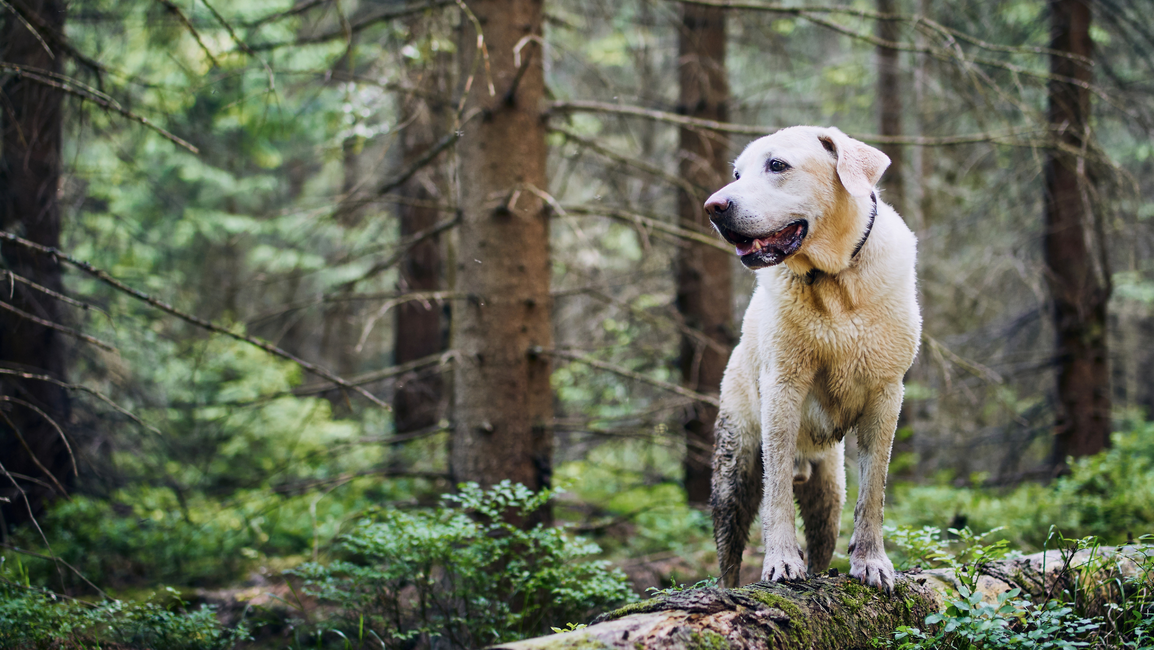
(400, 323)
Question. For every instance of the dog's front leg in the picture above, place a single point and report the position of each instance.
(867, 560)
(781, 400)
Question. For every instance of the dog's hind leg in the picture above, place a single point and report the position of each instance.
(821, 499)
(736, 496)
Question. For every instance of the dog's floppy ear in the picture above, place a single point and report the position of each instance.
(859, 166)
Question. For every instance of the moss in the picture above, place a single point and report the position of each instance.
(643, 607)
(770, 599)
(707, 640)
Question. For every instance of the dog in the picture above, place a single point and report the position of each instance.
(830, 331)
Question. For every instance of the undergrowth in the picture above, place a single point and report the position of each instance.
(1094, 602)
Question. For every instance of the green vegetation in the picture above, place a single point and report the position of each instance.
(465, 572)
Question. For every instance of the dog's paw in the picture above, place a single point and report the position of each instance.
(783, 566)
(875, 571)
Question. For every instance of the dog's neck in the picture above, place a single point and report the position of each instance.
(812, 275)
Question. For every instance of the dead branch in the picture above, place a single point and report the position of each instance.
(625, 372)
(78, 89)
(745, 129)
(189, 318)
(58, 327)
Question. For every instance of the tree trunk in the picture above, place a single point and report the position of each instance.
(503, 400)
(416, 402)
(1076, 267)
(890, 105)
(704, 273)
(824, 613)
(31, 119)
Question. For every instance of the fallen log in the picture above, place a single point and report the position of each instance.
(836, 612)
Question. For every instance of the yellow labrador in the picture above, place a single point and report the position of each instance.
(831, 329)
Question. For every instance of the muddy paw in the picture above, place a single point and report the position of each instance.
(876, 571)
(783, 566)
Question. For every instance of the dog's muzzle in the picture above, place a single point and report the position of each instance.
(757, 251)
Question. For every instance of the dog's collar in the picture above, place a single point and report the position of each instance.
(813, 273)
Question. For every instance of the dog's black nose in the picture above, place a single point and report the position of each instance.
(718, 208)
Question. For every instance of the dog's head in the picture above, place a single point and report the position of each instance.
(796, 190)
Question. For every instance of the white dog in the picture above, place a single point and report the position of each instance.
(829, 333)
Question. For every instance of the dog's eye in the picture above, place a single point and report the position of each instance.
(776, 166)
(736, 175)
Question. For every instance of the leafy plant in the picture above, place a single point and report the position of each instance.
(36, 619)
(464, 574)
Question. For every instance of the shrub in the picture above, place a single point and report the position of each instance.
(461, 574)
(36, 619)
(1058, 622)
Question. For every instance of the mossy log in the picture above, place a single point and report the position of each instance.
(827, 612)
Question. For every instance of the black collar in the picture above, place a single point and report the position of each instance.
(810, 277)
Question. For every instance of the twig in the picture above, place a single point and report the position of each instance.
(625, 372)
(744, 129)
(244, 46)
(98, 395)
(389, 13)
(422, 296)
(55, 294)
(78, 89)
(439, 358)
(189, 318)
(16, 549)
(59, 328)
(168, 4)
(35, 523)
(402, 249)
(649, 168)
(31, 454)
(651, 223)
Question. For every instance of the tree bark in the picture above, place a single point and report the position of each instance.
(704, 273)
(419, 332)
(31, 125)
(890, 105)
(831, 613)
(1076, 268)
(503, 400)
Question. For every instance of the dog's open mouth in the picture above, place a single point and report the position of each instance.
(768, 250)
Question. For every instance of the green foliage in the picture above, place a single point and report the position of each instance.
(36, 619)
(1109, 495)
(673, 588)
(970, 622)
(463, 573)
(1059, 621)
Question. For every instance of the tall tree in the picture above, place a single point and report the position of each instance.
(1076, 268)
(704, 273)
(890, 104)
(419, 329)
(30, 122)
(503, 400)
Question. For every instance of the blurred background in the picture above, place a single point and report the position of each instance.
(276, 273)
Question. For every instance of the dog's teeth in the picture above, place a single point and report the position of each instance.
(756, 245)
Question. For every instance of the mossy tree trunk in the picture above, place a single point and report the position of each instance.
(834, 613)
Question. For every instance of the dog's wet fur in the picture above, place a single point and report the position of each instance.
(826, 340)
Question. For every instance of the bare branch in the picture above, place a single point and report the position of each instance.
(743, 129)
(625, 372)
(28, 450)
(650, 223)
(387, 13)
(78, 89)
(77, 387)
(55, 294)
(59, 328)
(189, 318)
(168, 4)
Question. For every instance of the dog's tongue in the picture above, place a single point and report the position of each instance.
(778, 239)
